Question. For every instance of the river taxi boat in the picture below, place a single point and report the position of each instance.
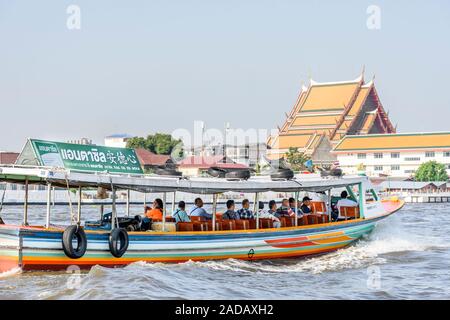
(53, 247)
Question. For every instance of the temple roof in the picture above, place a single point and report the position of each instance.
(331, 110)
(398, 141)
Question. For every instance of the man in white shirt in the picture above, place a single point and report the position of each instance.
(344, 202)
(263, 214)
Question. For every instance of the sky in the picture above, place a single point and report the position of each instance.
(141, 67)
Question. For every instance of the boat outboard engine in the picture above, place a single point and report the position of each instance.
(74, 232)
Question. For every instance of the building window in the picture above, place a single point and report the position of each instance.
(429, 154)
(361, 155)
(378, 155)
(395, 167)
(412, 159)
(395, 155)
(410, 171)
(378, 168)
(447, 154)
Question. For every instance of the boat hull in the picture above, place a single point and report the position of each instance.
(39, 249)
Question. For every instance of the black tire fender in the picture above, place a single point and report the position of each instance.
(70, 233)
(282, 174)
(118, 237)
(168, 172)
(216, 172)
(238, 175)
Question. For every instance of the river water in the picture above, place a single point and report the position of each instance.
(406, 257)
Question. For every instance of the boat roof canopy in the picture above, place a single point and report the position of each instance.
(153, 183)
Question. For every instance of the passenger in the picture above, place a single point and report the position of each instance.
(270, 214)
(344, 202)
(284, 210)
(198, 211)
(292, 206)
(180, 214)
(306, 206)
(230, 214)
(156, 213)
(245, 212)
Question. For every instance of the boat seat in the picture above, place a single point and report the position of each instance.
(228, 225)
(349, 212)
(252, 223)
(319, 206)
(287, 222)
(242, 224)
(323, 218)
(201, 226)
(185, 226)
(312, 218)
(218, 225)
(317, 218)
(303, 221)
(265, 223)
(197, 218)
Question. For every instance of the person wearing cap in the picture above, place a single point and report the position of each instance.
(306, 206)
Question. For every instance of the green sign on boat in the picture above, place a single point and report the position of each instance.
(82, 157)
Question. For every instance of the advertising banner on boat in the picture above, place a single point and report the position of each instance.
(86, 157)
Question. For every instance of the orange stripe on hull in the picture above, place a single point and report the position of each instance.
(332, 240)
(8, 263)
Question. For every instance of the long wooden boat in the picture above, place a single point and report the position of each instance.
(41, 247)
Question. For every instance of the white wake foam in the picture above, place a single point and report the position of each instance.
(10, 273)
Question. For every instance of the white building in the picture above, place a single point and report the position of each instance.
(248, 154)
(117, 140)
(397, 155)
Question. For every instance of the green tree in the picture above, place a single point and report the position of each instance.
(296, 159)
(431, 171)
(137, 143)
(159, 143)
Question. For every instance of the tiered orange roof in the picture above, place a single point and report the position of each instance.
(329, 111)
(394, 142)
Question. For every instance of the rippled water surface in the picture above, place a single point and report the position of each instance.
(406, 257)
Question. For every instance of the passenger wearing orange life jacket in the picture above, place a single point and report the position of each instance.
(156, 213)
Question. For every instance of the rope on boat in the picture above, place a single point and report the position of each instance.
(72, 216)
